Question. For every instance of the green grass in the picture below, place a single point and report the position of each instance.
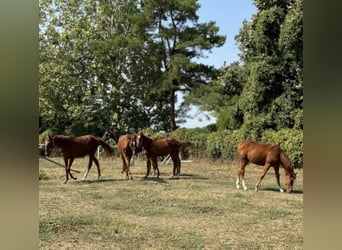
(200, 210)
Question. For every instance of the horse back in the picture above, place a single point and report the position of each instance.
(79, 146)
(163, 146)
(259, 153)
(124, 141)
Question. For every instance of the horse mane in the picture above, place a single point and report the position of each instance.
(61, 138)
(286, 162)
(147, 140)
(116, 135)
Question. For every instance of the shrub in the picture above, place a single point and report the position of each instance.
(290, 140)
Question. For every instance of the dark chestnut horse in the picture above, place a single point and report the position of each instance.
(75, 147)
(160, 147)
(269, 155)
(126, 147)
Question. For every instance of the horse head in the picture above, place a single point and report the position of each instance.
(289, 181)
(139, 137)
(49, 144)
(110, 134)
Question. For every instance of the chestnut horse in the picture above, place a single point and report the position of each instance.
(160, 147)
(75, 147)
(126, 147)
(269, 155)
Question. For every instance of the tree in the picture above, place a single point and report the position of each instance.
(266, 86)
(91, 66)
(179, 39)
(271, 47)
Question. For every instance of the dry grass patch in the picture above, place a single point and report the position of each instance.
(200, 210)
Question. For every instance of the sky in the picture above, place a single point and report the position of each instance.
(228, 15)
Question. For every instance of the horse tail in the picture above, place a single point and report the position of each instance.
(106, 147)
(185, 143)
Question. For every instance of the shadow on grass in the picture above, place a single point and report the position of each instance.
(155, 179)
(188, 177)
(277, 190)
(101, 181)
(171, 178)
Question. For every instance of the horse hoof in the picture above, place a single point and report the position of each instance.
(256, 189)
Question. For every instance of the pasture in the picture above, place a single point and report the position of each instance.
(200, 210)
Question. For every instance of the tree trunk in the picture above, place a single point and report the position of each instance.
(172, 110)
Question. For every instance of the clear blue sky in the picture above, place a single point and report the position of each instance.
(228, 15)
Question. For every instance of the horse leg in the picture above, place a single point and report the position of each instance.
(87, 171)
(66, 163)
(176, 165)
(148, 166)
(125, 158)
(128, 170)
(155, 165)
(266, 168)
(276, 170)
(241, 174)
(178, 168)
(69, 168)
(98, 167)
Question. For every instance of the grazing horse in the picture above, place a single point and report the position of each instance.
(269, 155)
(160, 147)
(75, 147)
(126, 147)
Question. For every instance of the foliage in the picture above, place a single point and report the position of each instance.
(267, 82)
(290, 140)
(119, 64)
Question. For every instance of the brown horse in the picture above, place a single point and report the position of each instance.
(75, 147)
(269, 155)
(160, 147)
(126, 147)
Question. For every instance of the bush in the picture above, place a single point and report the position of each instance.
(198, 138)
(290, 140)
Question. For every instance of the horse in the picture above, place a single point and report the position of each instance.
(269, 155)
(160, 147)
(75, 147)
(126, 147)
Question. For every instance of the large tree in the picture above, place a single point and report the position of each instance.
(180, 39)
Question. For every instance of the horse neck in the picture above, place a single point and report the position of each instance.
(146, 142)
(287, 164)
(59, 140)
(115, 135)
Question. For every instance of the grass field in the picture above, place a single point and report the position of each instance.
(200, 210)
